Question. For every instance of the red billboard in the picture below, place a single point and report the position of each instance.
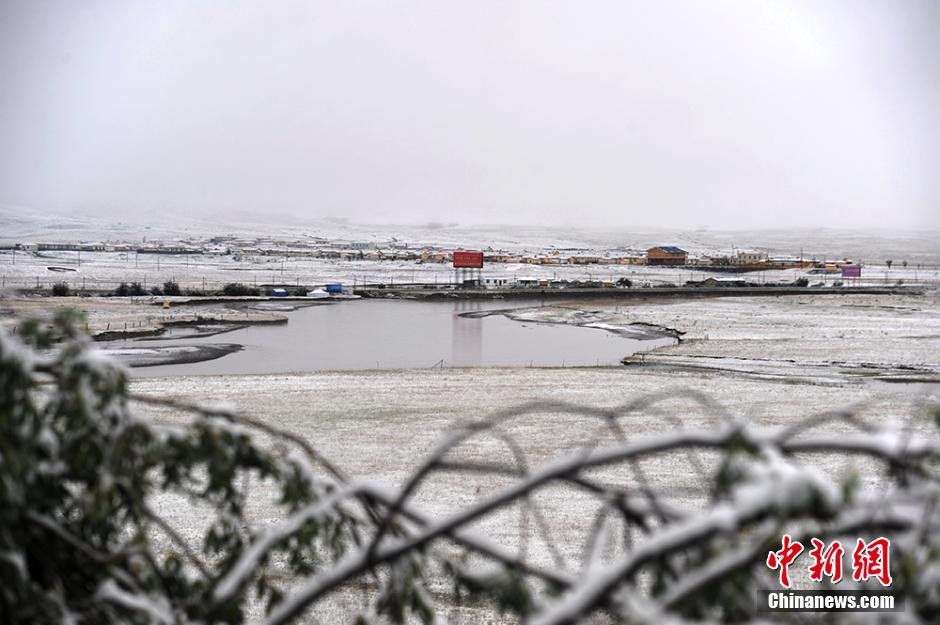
(468, 260)
(852, 271)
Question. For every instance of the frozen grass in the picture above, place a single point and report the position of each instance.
(884, 331)
(381, 424)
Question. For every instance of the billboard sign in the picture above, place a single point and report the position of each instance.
(852, 271)
(468, 260)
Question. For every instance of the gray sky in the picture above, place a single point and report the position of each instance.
(662, 113)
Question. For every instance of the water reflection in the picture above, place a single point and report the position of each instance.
(466, 334)
(404, 334)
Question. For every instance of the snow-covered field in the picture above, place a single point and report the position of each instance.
(381, 424)
(800, 335)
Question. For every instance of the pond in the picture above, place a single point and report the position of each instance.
(394, 334)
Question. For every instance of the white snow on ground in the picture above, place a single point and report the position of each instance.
(823, 337)
(380, 425)
(884, 331)
(138, 314)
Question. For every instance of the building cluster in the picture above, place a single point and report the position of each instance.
(108, 247)
(241, 248)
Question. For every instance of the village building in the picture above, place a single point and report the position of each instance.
(584, 259)
(666, 255)
(748, 258)
(498, 257)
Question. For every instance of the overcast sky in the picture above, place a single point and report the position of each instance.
(660, 113)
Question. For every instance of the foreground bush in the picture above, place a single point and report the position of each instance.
(78, 534)
(83, 539)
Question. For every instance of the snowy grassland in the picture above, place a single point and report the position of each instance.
(381, 425)
(796, 335)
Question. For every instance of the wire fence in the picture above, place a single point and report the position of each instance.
(301, 284)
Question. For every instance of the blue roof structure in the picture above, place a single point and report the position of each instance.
(669, 249)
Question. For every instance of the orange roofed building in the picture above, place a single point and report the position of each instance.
(666, 255)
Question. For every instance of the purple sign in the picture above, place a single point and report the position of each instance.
(852, 271)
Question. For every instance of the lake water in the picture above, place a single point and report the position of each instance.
(392, 334)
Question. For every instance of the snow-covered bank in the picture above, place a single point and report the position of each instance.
(599, 319)
(134, 356)
(842, 338)
(117, 317)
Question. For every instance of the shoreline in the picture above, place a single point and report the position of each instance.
(157, 333)
(889, 337)
(142, 357)
(637, 330)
